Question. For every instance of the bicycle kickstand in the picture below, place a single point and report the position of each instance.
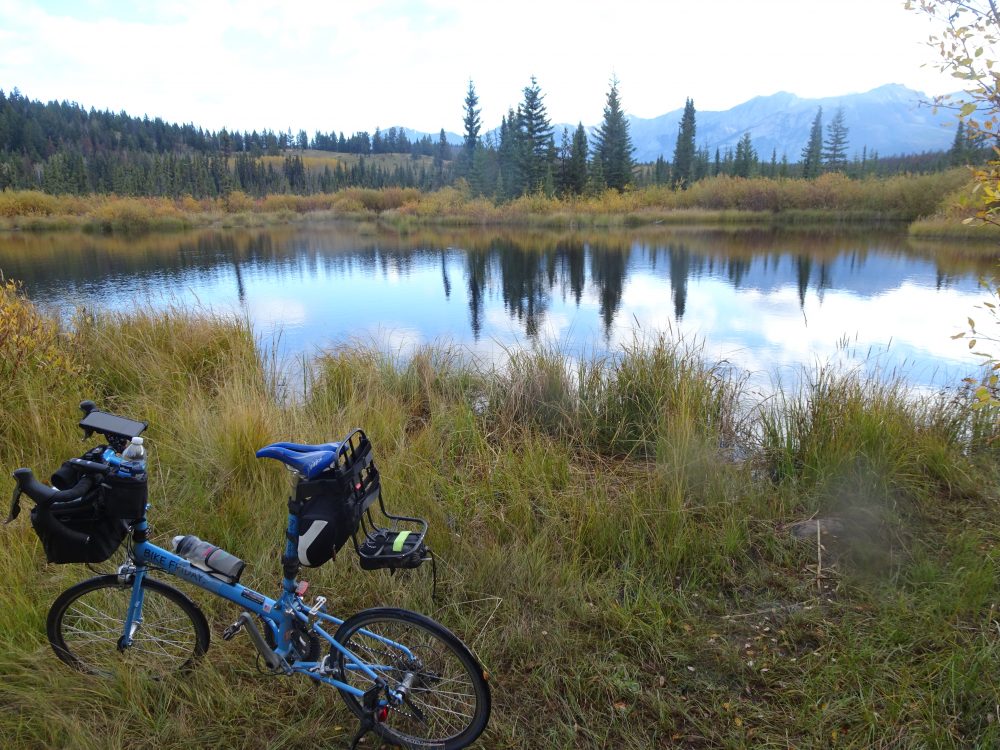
(370, 704)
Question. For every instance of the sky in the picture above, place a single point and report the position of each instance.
(349, 66)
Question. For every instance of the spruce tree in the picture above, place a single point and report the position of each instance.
(684, 150)
(472, 125)
(613, 144)
(577, 173)
(835, 145)
(536, 138)
(565, 151)
(440, 155)
(661, 172)
(959, 153)
(745, 161)
(699, 170)
(813, 152)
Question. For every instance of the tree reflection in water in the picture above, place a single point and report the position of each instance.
(332, 281)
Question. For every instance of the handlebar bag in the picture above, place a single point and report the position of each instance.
(105, 534)
(330, 507)
(89, 516)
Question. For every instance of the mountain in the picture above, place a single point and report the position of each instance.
(890, 120)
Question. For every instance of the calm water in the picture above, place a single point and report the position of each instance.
(768, 302)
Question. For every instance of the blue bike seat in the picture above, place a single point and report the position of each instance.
(307, 460)
(303, 448)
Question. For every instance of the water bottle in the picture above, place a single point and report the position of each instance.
(209, 558)
(133, 459)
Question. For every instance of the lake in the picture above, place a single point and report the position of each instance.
(769, 302)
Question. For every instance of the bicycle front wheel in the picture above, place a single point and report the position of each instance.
(86, 627)
(447, 698)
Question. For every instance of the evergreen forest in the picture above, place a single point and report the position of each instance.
(63, 148)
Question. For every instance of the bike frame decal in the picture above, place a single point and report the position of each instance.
(280, 615)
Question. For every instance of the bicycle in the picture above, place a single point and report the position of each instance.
(403, 675)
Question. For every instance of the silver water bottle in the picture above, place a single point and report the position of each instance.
(209, 558)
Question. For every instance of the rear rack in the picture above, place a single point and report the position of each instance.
(385, 540)
(392, 542)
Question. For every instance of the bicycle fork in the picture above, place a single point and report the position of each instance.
(133, 618)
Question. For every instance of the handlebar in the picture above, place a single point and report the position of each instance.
(45, 497)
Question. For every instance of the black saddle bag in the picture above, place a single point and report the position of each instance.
(329, 508)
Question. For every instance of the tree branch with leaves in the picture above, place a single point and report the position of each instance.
(967, 46)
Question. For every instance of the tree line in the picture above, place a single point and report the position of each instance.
(60, 147)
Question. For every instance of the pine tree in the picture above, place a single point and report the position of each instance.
(440, 155)
(835, 145)
(661, 172)
(595, 179)
(701, 165)
(536, 137)
(613, 144)
(577, 173)
(684, 150)
(958, 155)
(745, 161)
(813, 152)
(472, 125)
(510, 176)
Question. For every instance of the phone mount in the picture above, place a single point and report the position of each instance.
(119, 431)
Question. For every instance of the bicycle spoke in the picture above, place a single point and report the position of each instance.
(443, 703)
(90, 627)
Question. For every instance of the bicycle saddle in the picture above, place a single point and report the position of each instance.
(307, 460)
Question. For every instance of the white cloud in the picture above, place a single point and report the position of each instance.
(258, 64)
(908, 326)
(278, 312)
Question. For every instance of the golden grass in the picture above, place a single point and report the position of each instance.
(718, 200)
(626, 575)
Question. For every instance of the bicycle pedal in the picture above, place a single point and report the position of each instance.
(229, 633)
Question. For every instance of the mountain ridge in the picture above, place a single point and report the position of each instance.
(890, 119)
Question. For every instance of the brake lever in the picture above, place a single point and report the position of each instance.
(15, 505)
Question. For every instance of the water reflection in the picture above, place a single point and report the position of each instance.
(761, 298)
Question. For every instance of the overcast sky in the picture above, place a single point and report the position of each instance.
(348, 66)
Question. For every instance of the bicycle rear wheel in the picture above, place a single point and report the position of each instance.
(447, 702)
(85, 626)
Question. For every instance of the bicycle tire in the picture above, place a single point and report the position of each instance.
(84, 627)
(467, 701)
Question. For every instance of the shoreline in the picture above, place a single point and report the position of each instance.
(927, 206)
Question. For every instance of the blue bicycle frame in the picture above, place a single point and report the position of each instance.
(282, 615)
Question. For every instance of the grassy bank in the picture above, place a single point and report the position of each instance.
(832, 198)
(614, 540)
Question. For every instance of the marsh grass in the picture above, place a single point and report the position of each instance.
(721, 201)
(627, 581)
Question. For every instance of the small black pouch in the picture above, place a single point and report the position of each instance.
(125, 497)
